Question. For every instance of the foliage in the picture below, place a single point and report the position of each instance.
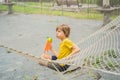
(35, 0)
(88, 1)
(35, 77)
(115, 2)
(28, 0)
(112, 2)
(45, 8)
(8, 51)
(106, 60)
(3, 7)
(99, 2)
(111, 53)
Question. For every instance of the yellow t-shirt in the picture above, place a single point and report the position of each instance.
(65, 48)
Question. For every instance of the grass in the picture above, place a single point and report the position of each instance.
(3, 7)
(111, 53)
(35, 8)
(106, 59)
(35, 77)
(8, 51)
(45, 8)
(39, 4)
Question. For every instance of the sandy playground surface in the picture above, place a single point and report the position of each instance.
(28, 32)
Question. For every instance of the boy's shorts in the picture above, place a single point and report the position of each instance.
(56, 66)
(54, 57)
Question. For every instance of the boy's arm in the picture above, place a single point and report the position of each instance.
(46, 56)
(54, 52)
(75, 49)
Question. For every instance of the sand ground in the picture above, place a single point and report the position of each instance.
(28, 32)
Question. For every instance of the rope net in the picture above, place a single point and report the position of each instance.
(100, 51)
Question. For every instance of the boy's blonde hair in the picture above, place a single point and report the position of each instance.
(65, 28)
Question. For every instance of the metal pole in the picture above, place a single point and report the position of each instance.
(106, 5)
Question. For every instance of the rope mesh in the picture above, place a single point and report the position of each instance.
(99, 51)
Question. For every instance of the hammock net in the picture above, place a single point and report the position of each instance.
(99, 51)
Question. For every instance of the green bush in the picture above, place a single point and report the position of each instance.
(99, 2)
(34, 0)
(115, 2)
(88, 1)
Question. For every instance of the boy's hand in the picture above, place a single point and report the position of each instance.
(46, 56)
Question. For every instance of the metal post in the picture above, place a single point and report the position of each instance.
(10, 7)
(10, 4)
(106, 5)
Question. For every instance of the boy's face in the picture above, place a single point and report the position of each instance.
(60, 34)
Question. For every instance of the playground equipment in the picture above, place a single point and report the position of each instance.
(106, 10)
(10, 4)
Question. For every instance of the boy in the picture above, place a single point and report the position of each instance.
(66, 47)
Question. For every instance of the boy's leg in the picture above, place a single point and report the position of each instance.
(56, 66)
(43, 62)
